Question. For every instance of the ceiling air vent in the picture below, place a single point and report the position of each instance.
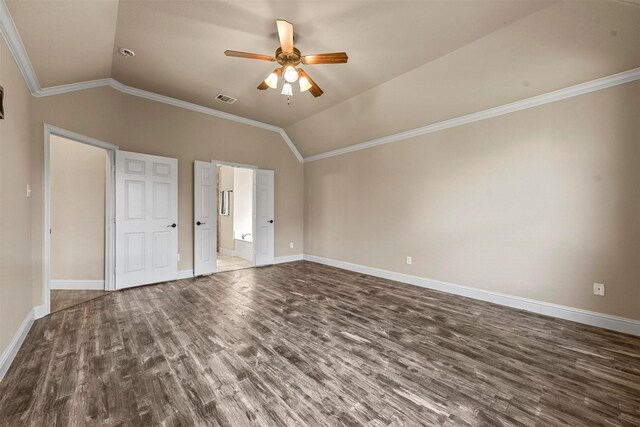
(225, 98)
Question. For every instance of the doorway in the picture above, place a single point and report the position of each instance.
(235, 218)
(77, 203)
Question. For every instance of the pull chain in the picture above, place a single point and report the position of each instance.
(288, 100)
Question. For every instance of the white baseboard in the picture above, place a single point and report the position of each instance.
(225, 251)
(39, 311)
(185, 274)
(9, 353)
(288, 258)
(85, 285)
(601, 320)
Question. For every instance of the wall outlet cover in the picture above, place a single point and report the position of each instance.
(598, 289)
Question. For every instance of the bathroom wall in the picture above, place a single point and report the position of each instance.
(242, 202)
(225, 222)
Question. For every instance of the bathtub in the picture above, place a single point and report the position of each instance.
(244, 244)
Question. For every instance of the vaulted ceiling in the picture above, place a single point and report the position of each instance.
(411, 63)
(179, 45)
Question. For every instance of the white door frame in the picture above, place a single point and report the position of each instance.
(253, 201)
(109, 229)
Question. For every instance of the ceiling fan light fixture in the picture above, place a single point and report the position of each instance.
(290, 74)
(272, 81)
(304, 84)
(286, 89)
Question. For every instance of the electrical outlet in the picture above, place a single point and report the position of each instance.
(598, 289)
(291, 245)
(409, 260)
(178, 257)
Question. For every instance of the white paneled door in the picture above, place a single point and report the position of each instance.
(205, 216)
(146, 219)
(264, 241)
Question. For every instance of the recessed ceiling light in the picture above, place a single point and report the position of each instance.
(126, 52)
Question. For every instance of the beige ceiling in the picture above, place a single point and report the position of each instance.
(562, 45)
(179, 45)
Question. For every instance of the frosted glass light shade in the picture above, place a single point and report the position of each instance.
(304, 84)
(272, 81)
(290, 74)
(287, 90)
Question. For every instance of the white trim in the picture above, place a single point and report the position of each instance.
(64, 133)
(225, 251)
(185, 274)
(89, 285)
(39, 311)
(288, 258)
(291, 145)
(601, 320)
(109, 261)
(14, 42)
(72, 87)
(233, 164)
(558, 95)
(12, 37)
(9, 353)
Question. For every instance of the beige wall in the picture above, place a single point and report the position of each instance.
(226, 221)
(540, 203)
(78, 175)
(140, 125)
(15, 207)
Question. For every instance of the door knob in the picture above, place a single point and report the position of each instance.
(201, 223)
(174, 225)
(271, 221)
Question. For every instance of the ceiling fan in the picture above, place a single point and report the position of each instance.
(289, 58)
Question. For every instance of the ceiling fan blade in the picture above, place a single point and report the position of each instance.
(248, 55)
(315, 89)
(285, 32)
(263, 86)
(326, 58)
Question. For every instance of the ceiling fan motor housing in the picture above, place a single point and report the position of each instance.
(285, 59)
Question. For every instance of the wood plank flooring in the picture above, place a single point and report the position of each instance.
(63, 298)
(302, 344)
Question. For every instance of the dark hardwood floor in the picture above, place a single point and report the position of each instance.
(61, 299)
(304, 344)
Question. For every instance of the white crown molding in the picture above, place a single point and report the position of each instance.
(71, 87)
(535, 101)
(293, 148)
(14, 42)
(620, 324)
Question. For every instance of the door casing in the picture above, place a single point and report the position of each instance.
(109, 252)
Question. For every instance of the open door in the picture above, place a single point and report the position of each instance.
(146, 219)
(204, 216)
(264, 242)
